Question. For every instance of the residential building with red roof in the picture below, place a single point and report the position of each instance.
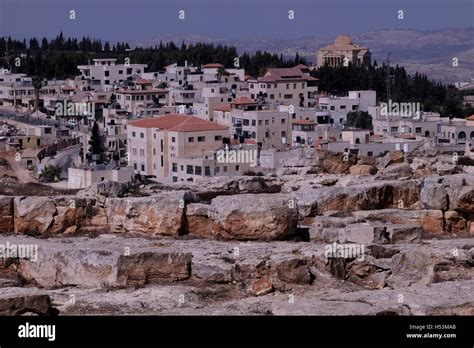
(287, 86)
(177, 147)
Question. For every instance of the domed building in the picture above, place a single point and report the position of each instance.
(343, 52)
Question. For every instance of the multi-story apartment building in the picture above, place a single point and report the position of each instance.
(133, 99)
(288, 86)
(105, 73)
(178, 147)
(308, 133)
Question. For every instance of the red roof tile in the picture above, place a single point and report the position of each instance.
(290, 74)
(143, 82)
(223, 108)
(144, 91)
(243, 101)
(212, 66)
(178, 123)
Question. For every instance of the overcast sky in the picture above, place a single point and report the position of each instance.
(129, 20)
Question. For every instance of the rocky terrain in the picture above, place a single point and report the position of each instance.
(251, 244)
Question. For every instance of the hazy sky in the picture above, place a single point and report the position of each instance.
(125, 20)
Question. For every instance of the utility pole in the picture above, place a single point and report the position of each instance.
(388, 79)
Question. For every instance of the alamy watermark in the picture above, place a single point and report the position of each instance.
(399, 109)
(69, 109)
(21, 251)
(346, 251)
(237, 156)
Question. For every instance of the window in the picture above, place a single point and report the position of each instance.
(135, 166)
(287, 86)
(181, 167)
(198, 170)
(218, 170)
(218, 138)
(134, 134)
(143, 167)
(288, 96)
(142, 152)
(175, 179)
(134, 150)
(174, 167)
(245, 122)
(333, 108)
(161, 143)
(191, 139)
(343, 107)
(259, 122)
(237, 168)
(162, 160)
(283, 121)
(294, 86)
(225, 169)
(418, 130)
(142, 135)
(189, 169)
(201, 138)
(267, 122)
(254, 122)
(107, 73)
(173, 139)
(393, 129)
(154, 151)
(207, 171)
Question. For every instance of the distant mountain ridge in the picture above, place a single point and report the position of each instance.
(428, 52)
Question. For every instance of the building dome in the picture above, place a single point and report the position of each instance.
(343, 40)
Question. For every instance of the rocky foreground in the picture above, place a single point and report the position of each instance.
(251, 245)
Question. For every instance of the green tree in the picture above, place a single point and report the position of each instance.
(37, 84)
(50, 173)
(95, 143)
(359, 119)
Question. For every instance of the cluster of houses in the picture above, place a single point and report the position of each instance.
(187, 122)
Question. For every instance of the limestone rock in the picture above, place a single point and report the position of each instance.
(153, 268)
(160, 214)
(33, 215)
(433, 196)
(245, 217)
(6, 214)
(363, 169)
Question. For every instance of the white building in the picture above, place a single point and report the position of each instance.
(105, 73)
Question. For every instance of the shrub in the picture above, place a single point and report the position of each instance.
(465, 161)
(50, 173)
(252, 173)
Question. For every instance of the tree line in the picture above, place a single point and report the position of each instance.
(59, 58)
(404, 88)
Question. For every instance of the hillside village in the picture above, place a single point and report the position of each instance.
(171, 125)
(231, 194)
